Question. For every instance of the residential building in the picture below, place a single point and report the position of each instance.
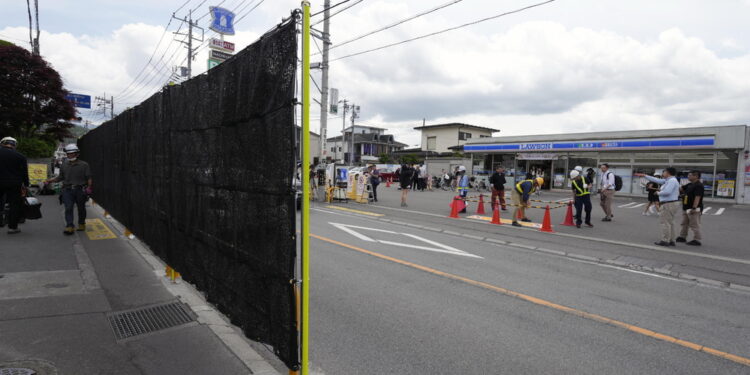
(440, 137)
(368, 144)
(314, 145)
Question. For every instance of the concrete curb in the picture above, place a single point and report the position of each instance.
(229, 334)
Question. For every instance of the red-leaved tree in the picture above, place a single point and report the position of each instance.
(32, 98)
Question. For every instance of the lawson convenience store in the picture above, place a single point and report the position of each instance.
(720, 153)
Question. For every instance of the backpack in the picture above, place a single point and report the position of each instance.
(618, 183)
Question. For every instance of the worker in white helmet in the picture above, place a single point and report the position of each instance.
(75, 175)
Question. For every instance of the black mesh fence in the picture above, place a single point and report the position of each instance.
(202, 173)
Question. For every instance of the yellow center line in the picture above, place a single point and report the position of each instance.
(538, 301)
(355, 211)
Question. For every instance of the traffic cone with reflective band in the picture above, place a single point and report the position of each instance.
(547, 222)
(496, 215)
(480, 207)
(569, 216)
(454, 208)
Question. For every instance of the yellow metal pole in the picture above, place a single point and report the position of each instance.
(305, 334)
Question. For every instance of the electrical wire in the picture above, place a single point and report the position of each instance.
(439, 7)
(341, 10)
(329, 8)
(442, 31)
(204, 44)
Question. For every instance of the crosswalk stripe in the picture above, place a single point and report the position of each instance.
(720, 211)
(705, 210)
(626, 205)
(638, 205)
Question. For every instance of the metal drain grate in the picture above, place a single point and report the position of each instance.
(149, 319)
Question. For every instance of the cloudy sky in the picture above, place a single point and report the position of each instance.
(566, 66)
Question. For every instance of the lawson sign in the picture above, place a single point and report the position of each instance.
(631, 144)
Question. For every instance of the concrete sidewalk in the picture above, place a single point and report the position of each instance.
(99, 303)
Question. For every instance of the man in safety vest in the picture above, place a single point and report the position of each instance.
(582, 196)
(463, 184)
(520, 198)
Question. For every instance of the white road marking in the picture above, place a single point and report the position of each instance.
(439, 248)
(626, 205)
(705, 210)
(720, 211)
(638, 205)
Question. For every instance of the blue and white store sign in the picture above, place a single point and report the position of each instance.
(604, 145)
(222, 21)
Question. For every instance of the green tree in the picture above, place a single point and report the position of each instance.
(385, 159)
(36, 147)
(410, 159)
(32, 98)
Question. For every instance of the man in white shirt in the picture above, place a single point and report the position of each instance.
(607, 191)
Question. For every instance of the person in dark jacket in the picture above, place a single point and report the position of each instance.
(14, 179)
(405, 178)
(497, 180)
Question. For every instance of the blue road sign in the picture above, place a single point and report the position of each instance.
(222, 21)
(80, 101)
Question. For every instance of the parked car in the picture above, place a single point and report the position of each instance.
(386, 173)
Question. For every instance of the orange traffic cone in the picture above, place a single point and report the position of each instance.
(454, 208)
(547, 222)
(496, 215)
(480, 207)
(388, 182)
(569, 216)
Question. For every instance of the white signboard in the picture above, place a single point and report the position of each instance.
(221, 45)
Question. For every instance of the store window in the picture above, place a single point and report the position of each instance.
(725, 183)
(585, 160)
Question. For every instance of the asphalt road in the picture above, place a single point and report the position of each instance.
(392, 298)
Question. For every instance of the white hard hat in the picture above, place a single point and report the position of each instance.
(578, 168)
(71, 148)
(461, 168)
(8, 140)
(574, 173)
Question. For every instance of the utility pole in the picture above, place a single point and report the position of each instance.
(324, 79)
(36, 40)
(189, 41)
(102, 102)
(345, 107)
(355, 114)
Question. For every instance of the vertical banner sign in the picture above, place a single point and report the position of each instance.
(334, 100)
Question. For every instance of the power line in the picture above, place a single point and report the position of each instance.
(341, 10)
(330, 7)
(443, 31)
(397, 23)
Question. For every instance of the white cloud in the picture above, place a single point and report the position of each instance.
(518, 75)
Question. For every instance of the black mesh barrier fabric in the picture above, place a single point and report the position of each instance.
(202, 173)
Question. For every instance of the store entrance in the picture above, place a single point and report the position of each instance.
(527, 169)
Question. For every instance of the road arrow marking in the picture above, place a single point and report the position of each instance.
(436, 246)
